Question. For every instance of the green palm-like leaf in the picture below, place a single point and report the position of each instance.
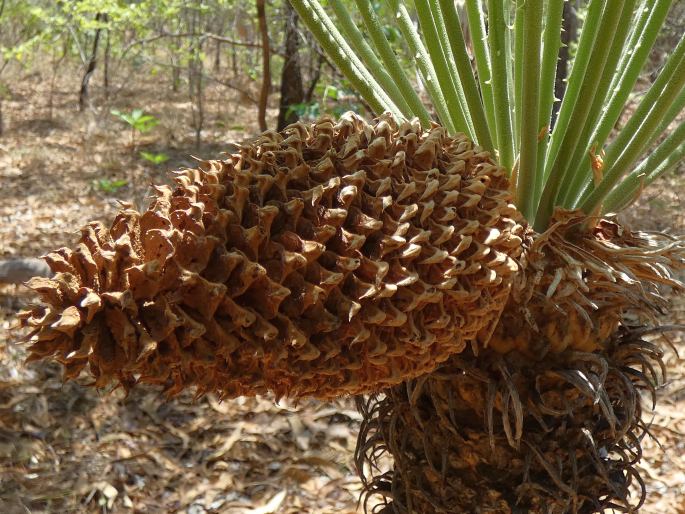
(503, 100)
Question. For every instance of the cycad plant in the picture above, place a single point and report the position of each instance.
(543, 414)
(465, 259)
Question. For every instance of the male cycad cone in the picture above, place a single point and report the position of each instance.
(331, 259)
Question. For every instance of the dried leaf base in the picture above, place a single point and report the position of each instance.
(577, 284)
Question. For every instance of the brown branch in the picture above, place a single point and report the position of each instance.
(201, 35)
(92, 62)
(244, 92)
(314, 79)
(266, 64)
(223, 39)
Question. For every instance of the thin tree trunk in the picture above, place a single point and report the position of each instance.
(175, 64)
(2, 92)
(53, 78)
(199, 95)
(195, 83)
(292, 91)
(568, 35)
(108, 49)
(175, 76)
(314, 79)
(217, 56)
(92, 62)
(266, 65)
(234, 60)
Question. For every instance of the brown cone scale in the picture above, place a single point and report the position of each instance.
(331, 259)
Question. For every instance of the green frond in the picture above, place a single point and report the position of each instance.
(498, 86)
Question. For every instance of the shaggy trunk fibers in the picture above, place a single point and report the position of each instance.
(502, 434)
(577, 284)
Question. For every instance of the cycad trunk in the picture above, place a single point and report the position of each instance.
(568, 37)
(507, 434)
(92, 63)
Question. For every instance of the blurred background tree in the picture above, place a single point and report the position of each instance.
(180, 46)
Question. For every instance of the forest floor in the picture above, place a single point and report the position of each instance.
(66, 448)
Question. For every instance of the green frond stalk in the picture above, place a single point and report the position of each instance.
(423, 62)
(518, 57)
(352, 34)
(405, 87)
(531, 15)
(463, 64)
(576, 77)
(342, 55)
(435, 36)
(551, 43)
(602, 88)
(636, 31)
(642, 127)
(579, 116)
(672, 111)
(638, 48)
(476, 16)
(676, 108)
(665, 158)
(498, 61)
(510, 64)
